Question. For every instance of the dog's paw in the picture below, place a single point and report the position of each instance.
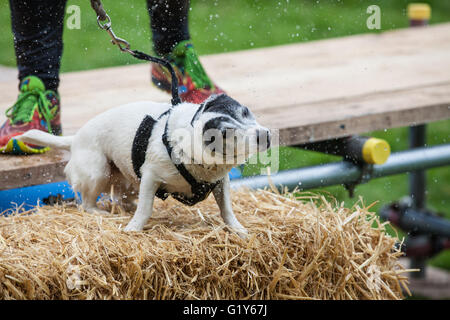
(241, 232)
(132, 227)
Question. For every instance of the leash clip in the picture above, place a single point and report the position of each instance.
(121, 43)
(124, 46)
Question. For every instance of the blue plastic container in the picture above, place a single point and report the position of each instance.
(28, 197)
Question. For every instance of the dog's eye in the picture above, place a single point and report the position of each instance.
(245, 112)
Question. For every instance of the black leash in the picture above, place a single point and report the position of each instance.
(142, 56)
(124, 46)
(200, 190)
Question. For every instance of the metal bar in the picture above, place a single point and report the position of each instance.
(349, 147)
(419, 14)
(411, 220)
(358, 149)
(417, 186)
(417, 179)
(344, 172)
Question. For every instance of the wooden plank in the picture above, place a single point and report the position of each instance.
(8, 73)
(275, 77)
(22, 171)
(308, 91)
(376, 111)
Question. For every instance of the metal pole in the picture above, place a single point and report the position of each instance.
(419, 14)
(417, 179)
(345, 172)
(417, 191)
(417, 221)
(358, 149)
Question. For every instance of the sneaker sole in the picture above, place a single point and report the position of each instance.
(16, 147)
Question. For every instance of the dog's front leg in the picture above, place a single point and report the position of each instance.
(222, 195)
(147, 190)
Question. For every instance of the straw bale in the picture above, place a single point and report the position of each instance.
(298, 248)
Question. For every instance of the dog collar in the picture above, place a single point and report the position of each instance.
(200, 190)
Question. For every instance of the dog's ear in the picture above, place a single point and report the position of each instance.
(217, 103)
(220, 103)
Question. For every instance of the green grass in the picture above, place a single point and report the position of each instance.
(220, 26)
(223, 26)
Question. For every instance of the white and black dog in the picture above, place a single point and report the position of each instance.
(149, 148)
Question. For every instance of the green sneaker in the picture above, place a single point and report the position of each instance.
(194, 85)
(35, 108)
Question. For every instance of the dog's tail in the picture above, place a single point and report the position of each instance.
(42, 138)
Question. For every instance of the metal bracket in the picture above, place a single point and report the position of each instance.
(365, 176)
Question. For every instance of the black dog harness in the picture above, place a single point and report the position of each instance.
(200, 190)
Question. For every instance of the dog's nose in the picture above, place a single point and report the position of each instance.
(263, 136)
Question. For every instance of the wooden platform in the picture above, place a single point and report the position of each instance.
(310, 91)
(31, 170)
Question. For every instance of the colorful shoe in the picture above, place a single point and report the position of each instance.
(194, 84)
(35, 108)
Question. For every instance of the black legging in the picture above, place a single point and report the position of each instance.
(38, 28)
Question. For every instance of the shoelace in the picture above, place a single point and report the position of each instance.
(185, 55)
(23, 110)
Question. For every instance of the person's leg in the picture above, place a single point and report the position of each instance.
(37, 28)
(171, 40)
(169, 24)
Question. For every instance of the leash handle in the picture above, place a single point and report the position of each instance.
(98, 8)
(142, 56)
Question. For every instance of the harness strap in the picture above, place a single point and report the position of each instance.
(140, 144)
(200, 190)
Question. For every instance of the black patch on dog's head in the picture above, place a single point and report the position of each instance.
(216, 123)
(223, 124)
(223, 104)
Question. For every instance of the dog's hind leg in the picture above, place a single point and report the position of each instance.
(91, 179)
(222, 195)
(147, 190)
(125, 192)
(89, 201)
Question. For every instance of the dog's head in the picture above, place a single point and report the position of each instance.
(227, 131)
